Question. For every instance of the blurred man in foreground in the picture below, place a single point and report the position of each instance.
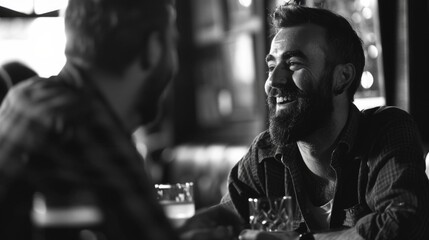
(353, 174)
(72, 132)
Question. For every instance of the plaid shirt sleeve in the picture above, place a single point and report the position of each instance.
(397, 187)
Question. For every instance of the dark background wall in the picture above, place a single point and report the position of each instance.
(404, 27)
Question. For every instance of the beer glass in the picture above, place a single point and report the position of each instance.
(271, 214)
(177, 201)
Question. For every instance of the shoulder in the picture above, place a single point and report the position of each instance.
(263, 140)
(42, 86)
(42, 98)
(387, 117)
(43, 92)
(390, 129)
(385, 113)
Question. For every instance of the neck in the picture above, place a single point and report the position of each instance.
(118, 94)
(316, 149)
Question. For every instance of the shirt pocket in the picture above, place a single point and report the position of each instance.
(355, 213)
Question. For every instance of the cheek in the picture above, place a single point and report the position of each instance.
(304, 80)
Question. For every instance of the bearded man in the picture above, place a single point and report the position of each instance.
(351, 174)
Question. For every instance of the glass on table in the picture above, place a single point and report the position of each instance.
(271, 214)
(177, 201)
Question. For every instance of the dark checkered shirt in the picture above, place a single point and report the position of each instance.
(59, 135)
(382, 189)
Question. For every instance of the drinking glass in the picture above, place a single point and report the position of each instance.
(271, 214)
(177, 201)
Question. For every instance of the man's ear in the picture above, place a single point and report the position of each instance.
(152, 53)
(343, 77)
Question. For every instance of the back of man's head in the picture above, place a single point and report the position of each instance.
(110, 34)
(343, 41)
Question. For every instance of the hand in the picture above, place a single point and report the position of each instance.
(262, 235)
(214, 223)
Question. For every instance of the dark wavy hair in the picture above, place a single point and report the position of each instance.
(109, 34)
(343, 41)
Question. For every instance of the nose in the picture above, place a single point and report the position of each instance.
(277, 80)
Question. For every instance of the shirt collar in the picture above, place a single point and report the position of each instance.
(348, 135)
(266, 149)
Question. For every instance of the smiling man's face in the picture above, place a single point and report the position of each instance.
(299, 83)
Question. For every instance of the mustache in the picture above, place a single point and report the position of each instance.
(291, 93)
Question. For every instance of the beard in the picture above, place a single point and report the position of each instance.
(310, 113)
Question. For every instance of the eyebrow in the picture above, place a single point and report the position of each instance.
(287, 55)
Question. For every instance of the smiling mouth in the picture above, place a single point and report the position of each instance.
(284, 100)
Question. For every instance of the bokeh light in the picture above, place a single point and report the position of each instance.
(367, 80)
(372, 51)
(245, 3)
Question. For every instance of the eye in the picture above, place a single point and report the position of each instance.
(294, 65)
(270, 68)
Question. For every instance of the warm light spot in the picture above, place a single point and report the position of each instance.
(370, 37)
(243, 59)
(245, 3)
(36, 42)
(367, 80)
(367, 13)
(44, 6)
(356, 17)
(23, 6)
(225, 102)
(365, 3)
(372, 51)
(39, 204)
(34, 6)
(47, 39)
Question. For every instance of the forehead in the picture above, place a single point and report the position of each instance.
(308, 38)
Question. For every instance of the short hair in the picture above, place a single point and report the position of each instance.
(109, 34)
(342, 39)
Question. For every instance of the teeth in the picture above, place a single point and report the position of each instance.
(281, 99)
(284, 99)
